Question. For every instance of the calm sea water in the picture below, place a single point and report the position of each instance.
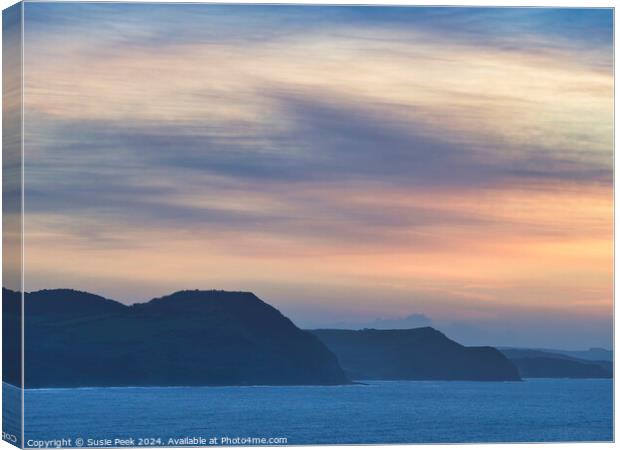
(379, 412)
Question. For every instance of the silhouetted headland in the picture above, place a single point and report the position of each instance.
(189, 338)
(414, 354)
(552, 364)
(220, 338)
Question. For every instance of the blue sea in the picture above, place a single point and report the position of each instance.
(376, 412)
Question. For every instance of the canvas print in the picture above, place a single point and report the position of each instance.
(230, 224)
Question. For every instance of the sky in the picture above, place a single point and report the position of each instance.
(346, 164)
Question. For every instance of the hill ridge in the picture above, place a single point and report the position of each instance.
(178, 340)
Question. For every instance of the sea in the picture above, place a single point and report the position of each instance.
(534, 410)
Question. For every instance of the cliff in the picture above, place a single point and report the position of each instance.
(188, 338)
(414, 354)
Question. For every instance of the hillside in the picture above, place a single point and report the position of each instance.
(414, 354)
(188, 338)
(545, 364)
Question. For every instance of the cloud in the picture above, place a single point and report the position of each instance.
(322, 153)
(146, 170)
(159, 24)
(334, 171)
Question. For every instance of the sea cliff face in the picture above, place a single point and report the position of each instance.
(189, 338)
(414, 354)
(11, 337)
(533, 363)
(202, 338)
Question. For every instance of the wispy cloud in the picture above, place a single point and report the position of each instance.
(403, 152)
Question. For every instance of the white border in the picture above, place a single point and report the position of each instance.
(473, 3)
